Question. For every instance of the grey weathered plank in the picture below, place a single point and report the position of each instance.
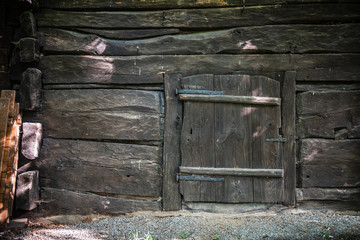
(128, 34)
(61, 201)
(96, 69)
(321, 113)
(202, 18)
(333, 73)
(139, 4)
(330, 163)
(288, 117)
(328, 194)
(323, 86)
(197, 139)
(258, 39)
(171, 154)
(266, 101)
(248, 172)
(149, 87)
(101, 167)
(4, 116)
(232, 123)
(114, 114)
(265, 123)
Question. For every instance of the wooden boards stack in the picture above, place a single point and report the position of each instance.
(10, 122)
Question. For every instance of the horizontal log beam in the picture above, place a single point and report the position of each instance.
(164, 4)
(129, 34)
(259, 39)
(329, 163)
(64, 69)
(324, 113)
(110, 114)
(57, 201)
(204, 18)
(328, 194)
(268, 101)
(103, 167)
(240, 172)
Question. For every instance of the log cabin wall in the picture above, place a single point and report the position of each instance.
(103, 65)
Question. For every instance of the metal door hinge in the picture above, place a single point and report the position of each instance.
(276, 140)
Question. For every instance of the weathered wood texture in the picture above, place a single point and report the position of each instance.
(61, 201)
(330, 163)
(30, 89)
(334, 110)
(211, 130)
(247, 172)
(28, 24)
(128, 34)
(112, 114)
(29, 50)
(172, 129)
(323, 86)
(288, 118)
(140, 4)
(258, 39)
(101, 167)
(94, 69)
(328, 194)
(203, 18)
(267, 101)
(9, 135)
(330, 73)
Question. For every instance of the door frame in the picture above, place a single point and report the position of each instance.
(171, 196)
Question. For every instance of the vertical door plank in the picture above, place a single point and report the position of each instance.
(266, 123)
(171, 151)
(4, 114)
(232, 139)
(197, 139)
(288, 129)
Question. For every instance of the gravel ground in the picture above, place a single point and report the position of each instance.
(285, 225)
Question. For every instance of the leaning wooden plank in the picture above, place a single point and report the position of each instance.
(4, 115)
(60, 201)
(267, 101)
(202, 18)
(101, 167)
(258, 39)
(171, 155)
(10, 94)
(249, 172)
(328, 194)
(113, 114)
(323, 113)
(81, 69)
(330, 163)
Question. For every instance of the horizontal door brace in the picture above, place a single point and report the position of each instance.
(241, 172)
(268, 101)
(204, 92)
(198, 178)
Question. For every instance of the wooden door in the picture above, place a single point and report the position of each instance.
(230, 142)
